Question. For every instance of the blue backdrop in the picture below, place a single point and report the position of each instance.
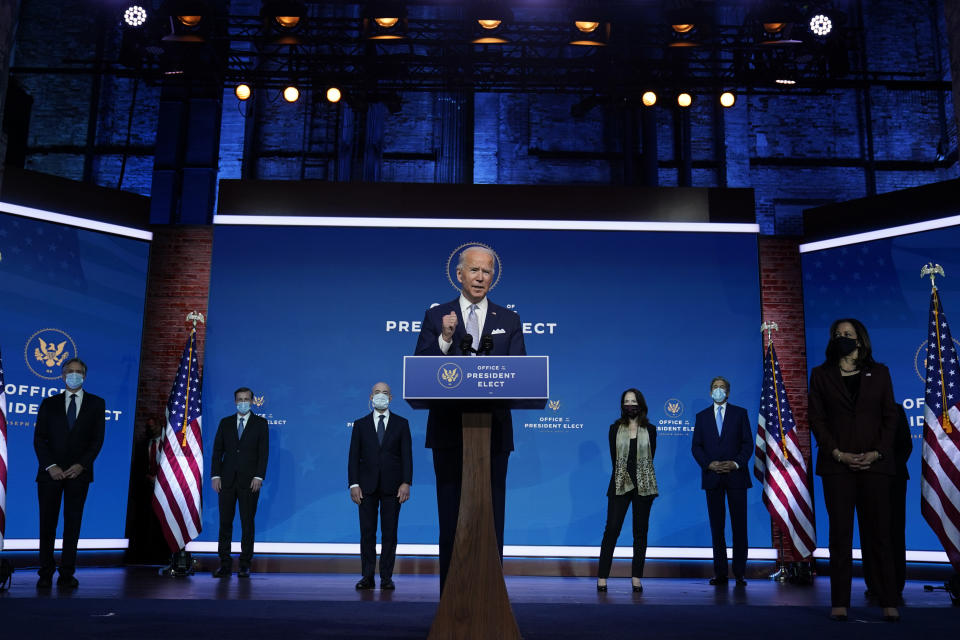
(878, 282)
(83, 290)
(312, 317)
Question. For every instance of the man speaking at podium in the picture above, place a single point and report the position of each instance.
(445, 331)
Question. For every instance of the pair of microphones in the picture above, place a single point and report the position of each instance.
(483, 349)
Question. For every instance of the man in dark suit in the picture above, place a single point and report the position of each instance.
(722, 444)
(380, 472)
(239, 466)
(67, 438)
(442, 333)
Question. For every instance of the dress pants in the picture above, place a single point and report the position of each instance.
(869, 495)
(448, 466)
(229, 498)
(73, 493)
(737, 500)
(388, 506)
(898, 539)
(616, 512)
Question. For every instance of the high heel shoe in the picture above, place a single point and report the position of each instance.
(601, 588)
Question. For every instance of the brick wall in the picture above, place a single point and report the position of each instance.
(178, 283)
(781, 295)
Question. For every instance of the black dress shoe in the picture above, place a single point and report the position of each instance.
(719, 581)
(387, 585)
(364, 584)
(838, 617)
(602, 588)
(638, 588)
(741, 582)
(67, 582)
(244, 571)
(222, 572)
(44, 582)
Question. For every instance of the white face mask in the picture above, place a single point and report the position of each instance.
(719, 395)
(381, 401)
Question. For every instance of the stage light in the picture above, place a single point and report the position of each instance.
(490, 24)
(135, 15)
(590, 28)
(683, 28)
(291, 94)
(190, 20)
(785, 81)
(684, 100)
(242, 91)
(385, 20)
(821, 25)
(727, 99)
(586, 26)
(287, 22)
(649, 98)
(334, 95)
(491, 17)
(774, 27)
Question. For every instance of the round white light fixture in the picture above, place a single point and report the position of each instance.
(291, 94)
(684, 100)
(821, 25)
(727, 99)
(334, 94)
(135, 15)
(649, 98)
(242, 91)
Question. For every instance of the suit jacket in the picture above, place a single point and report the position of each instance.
(838, 421)
(56, 444)
(734, 442)
(651, 431)
(444, 429)
(385, 466)
(240, 459)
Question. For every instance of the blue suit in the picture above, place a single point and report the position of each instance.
(733, 442)
(445, 427)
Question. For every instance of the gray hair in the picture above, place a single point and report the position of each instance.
(475, 247)
(725, 382)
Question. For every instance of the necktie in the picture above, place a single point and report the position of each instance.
(72, 411)
(720, 419)
(473, 325)
(380, 429)
(240, 428)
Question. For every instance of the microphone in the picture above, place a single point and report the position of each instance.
(486, 345)
(466, 344)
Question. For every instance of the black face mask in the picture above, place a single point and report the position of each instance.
(843, 346)
(631, 410)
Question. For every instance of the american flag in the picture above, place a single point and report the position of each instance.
(177, 492)
(778, 461)
(3, 456)
(940, 483)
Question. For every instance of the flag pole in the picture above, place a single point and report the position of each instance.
(933, 270)
(194, 317)
(769, 327)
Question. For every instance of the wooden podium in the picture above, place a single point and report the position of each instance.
(474, 603)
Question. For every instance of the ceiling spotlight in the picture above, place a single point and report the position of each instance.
(135, 15)
(683, 28)
(785, 81)
(242, 91)
(586, 26)
(774, 27)
(649, 98)
(334, 95)
(287, 22)
(489, 24)
(684, 100)
(189, 21)
(386, 23)
(821, 25)
(291, 94)
(727, 99)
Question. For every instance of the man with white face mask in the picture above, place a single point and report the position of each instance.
(67, 438)
(239, 465)
(722, 444)
(380, 472)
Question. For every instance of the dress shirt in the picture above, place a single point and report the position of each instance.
(386, 423)
(66, 407)
(720, 427)
(465, 312)
(246, 423)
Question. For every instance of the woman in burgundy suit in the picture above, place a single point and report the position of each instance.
(853, 416)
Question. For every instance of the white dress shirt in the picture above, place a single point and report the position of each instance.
(465, 312)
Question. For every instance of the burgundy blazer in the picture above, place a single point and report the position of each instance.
(852, 426)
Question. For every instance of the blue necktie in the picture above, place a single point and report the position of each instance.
(72, 411)
(719, 419)
(473, 325)
(240, 429)
(380, 429)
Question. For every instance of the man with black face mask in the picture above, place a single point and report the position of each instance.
(722, 444)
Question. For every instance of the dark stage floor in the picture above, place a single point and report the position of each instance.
(136, 602)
